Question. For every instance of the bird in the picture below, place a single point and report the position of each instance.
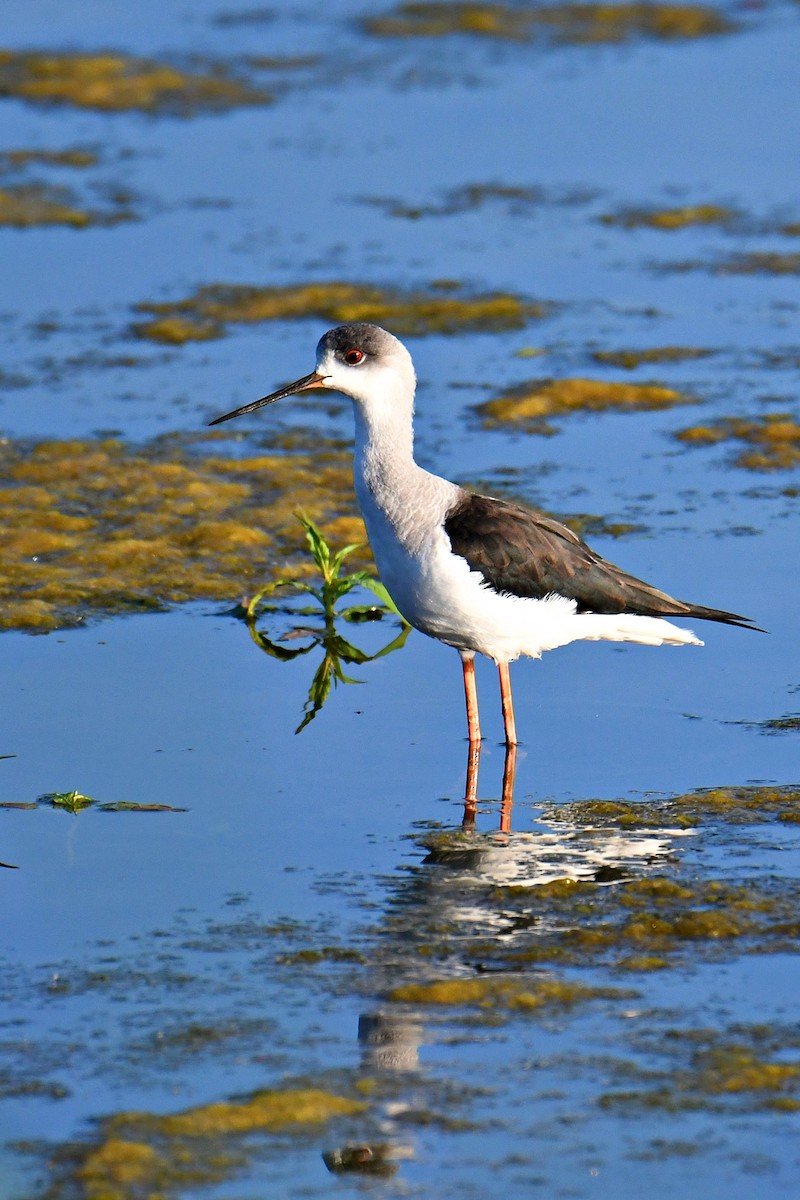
(484, 575)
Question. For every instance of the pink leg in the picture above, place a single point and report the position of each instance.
(508, 706)
(471, 693)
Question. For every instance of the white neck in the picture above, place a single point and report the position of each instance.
(391, 487)
(384, 442)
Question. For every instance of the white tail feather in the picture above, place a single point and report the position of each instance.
(626, 627)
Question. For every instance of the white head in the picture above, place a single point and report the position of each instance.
(363, 361)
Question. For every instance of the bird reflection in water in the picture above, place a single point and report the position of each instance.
(445, 919)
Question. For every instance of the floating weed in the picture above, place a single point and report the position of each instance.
(463, 199)
(629, 360)
(441, 310)
(75, 802)
(334, 587)
(756, 262)
(789, 723)
(772, 442)
(670, 219)
(120, 83)
(760, 263)
(567, 23)
(529, 405)
(76, 156)
(523, 995)
(132, 806)
(72, 801)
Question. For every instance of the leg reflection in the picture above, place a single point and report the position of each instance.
(471, 789)
(509, 772)
(471, 792)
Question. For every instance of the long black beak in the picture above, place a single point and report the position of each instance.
(300, 385)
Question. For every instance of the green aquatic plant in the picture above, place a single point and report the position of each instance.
(335, 585)
(72, 801)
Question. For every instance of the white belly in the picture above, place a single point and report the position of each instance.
(438, 593)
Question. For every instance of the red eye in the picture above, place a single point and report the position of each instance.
(353, 357)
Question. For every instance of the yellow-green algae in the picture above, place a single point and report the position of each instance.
(113, 82)
(721, 1068)
(98, 526)
(206, 313)
(640, 924)
(630, 359)
(269, 1110)
(575, 23)
(149, 1156)
(75, 156)
(671, 218)
(492, 991)
(34, 204)
(743, 805)
(462, 199)
(529, 405)
(760, 262)
(756, 262)
(772, 441)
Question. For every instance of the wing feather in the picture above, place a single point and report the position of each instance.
(525, 553)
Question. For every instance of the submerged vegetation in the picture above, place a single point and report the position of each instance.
(144, 1154)
(441, 309)
(28, 200)
(113, 82)
(529, 405)
(97, 526)
(566, 23)
(455, 950)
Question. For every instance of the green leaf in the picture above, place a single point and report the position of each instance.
(376, 587)
(319, 547)
(344, 553)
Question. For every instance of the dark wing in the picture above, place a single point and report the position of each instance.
(525, 553)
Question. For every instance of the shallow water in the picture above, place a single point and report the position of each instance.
(312, 917)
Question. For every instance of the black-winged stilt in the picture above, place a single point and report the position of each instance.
(481, 574)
